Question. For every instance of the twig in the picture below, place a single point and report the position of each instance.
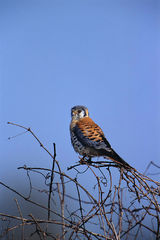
(19, 210)
(51, 181)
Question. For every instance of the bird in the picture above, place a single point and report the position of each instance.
(88, 139)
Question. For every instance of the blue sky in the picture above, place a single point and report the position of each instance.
(98, 53)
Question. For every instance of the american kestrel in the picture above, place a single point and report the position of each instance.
(88, 139)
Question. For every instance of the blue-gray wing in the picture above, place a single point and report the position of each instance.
(91, 135)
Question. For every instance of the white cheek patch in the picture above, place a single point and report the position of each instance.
(81, 114)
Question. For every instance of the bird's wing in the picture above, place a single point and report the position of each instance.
(90, 134)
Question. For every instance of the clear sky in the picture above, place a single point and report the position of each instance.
(56, 54)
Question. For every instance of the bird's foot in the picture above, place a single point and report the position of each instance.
(82, 160)
(85, 160)
(89, 160)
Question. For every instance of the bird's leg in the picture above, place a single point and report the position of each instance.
(89, 160)
(85, 160)
(82, 160)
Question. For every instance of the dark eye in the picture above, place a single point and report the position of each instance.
(79, 111)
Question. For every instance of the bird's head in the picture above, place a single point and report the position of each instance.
(78, 112)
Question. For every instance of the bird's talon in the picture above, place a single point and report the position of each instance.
(82, 161)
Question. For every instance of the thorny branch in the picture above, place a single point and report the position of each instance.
(107, 207)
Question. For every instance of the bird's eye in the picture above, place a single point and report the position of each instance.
(79, 111)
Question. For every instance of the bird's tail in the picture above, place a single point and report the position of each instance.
(117, 159)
